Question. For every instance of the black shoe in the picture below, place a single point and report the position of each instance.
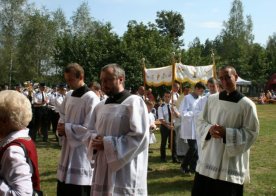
(185, 171)
(150, 169)
(176, 161)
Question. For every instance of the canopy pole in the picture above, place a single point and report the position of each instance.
(172, 101)
(214, 64)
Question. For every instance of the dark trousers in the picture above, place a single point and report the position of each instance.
(207, 186)
(191, 157)
(54, 117)
(165, 133)
(71, 189)
(31, 126)
(41, 121)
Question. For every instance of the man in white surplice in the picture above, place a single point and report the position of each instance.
(74, 169)
(120, 149)
(212, 85)
(228, 127)
(187, 128)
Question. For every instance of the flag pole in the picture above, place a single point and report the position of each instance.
(172, 101)
(143, 71)
(214, 64)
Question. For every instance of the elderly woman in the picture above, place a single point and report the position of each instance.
(18, 156)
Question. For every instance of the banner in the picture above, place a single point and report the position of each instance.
(159, 76)
(183, 73)
(193, 74)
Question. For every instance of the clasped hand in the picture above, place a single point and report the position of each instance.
(97, 143)
(217, 131)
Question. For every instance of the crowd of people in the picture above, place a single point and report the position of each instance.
(267, 97)
(105, 132)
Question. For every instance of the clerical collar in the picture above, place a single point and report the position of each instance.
(234, 96)
(194, 95)
(80, 91)
(118, 98)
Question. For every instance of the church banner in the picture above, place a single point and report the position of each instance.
(193, 74)
(183, 73)
(159, 76)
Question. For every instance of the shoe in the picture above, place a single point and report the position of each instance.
(185, 171)
(176, 161)
(150, 169)
(192, 171)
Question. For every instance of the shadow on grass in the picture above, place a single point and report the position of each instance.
(47, 173)
(169, 188)
(52, 143)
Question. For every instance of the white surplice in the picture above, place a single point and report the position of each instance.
(227, 161)
(187, 112)
(198, 108)
(121, 168)
(74, 166)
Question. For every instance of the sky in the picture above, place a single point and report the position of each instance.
(203, 18)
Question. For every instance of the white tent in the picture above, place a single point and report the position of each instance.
(243, 82)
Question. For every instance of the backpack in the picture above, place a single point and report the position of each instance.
(29, 149)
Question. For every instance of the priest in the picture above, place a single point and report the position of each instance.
(227, 127)
(120, 149)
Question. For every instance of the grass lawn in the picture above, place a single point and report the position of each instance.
(166, 178)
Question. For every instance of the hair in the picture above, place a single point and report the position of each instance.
(167, 92)
(96, 85)
(76, 68)
(212, 81)
(149, 103)
(233, 70)
(15, 108)
(200, 85)
(176, 84)
(118, 70)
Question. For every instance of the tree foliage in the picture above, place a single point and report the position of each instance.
(11, 18)
(40, 43)
(171, 24)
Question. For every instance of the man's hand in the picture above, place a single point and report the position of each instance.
(97, 143)
(61, 129)
(217, 131)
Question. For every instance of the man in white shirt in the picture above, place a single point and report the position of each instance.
(165, 117)
(41, 113)
(228, 127)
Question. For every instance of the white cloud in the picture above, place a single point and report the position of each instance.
(211, 25)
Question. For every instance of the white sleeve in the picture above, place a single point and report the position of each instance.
(121, 150)
(15, 178)
(78, 134)
(239, 140)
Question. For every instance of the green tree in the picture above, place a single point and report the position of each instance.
(82, 21)
(11, 19)
(143, 41)
(36, 46)
(271, 53)
(92, 50)
(171, 24)
(236, 37)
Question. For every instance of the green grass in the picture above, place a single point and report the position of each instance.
(166, 178)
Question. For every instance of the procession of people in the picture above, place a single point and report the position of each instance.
(105, 132)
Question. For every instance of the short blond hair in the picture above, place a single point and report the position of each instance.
(15, 108)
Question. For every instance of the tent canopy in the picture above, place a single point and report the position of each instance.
(243, 82)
